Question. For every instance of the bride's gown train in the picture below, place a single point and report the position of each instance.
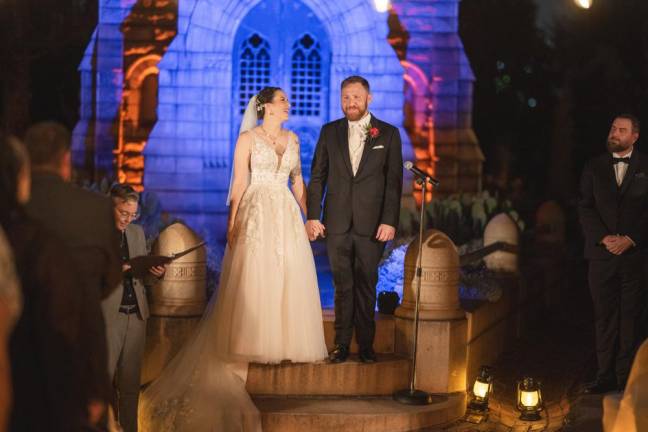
(267, 309)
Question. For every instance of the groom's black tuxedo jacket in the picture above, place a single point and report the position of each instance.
(366, 200)
(608, 209)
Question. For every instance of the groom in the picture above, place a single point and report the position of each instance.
(358, 161)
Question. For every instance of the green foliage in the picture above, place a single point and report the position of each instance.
(462, 217)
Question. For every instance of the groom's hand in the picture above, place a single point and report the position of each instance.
(385, 233)
(314, 229)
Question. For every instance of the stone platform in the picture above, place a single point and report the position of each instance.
(355, 414)
(351, 396)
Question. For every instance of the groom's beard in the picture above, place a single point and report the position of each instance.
(355, 113)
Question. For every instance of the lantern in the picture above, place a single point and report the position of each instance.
(529, 399)
(482, 388)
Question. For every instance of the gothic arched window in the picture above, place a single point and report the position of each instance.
(306, 77)
(254, 67)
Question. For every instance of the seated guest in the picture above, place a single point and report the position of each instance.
(126, 310)
(10, 304)
(83, 221)
(42, 350)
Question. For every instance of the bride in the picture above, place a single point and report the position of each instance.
(267, 309)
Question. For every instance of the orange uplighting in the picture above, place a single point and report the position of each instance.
(137, 116)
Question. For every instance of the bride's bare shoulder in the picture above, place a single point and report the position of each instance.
(248, 135)
(292, 135)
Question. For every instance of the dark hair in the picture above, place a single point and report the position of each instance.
(124, 193)
(633, 119)
(263, 97)
(13, 159)
(46, 143)
(356, 79)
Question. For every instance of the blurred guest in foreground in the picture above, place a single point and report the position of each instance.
(43, 353)
(10, 305)
(83, 221)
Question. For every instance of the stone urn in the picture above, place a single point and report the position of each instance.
(177, 302)
(182, 291)
(439, 298)
(502, 228)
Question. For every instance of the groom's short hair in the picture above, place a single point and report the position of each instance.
(353, 79)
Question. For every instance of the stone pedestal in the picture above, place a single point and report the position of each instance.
(441, 354)
(441, 359)
(165, 336)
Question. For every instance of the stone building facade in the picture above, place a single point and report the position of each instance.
(164, 84)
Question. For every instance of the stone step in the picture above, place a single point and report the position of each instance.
(383, 341)
(388, 374)
(356, 414)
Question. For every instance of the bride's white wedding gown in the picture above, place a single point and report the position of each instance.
(267, 309)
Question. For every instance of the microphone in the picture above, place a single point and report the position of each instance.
(420, 174)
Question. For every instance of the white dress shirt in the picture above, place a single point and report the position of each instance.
(357, 138)
(621, 168)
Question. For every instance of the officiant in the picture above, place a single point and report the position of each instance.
(126, 310)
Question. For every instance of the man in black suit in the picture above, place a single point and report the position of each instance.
(358, 160)
(613, 211)
(83, 221)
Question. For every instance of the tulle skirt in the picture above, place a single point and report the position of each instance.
(267, 310)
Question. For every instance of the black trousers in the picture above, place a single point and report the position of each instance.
(616, 286)
(354, 263)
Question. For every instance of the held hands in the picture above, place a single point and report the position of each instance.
(314, 229)
(617, 244)
(385, 233)
(158, 271)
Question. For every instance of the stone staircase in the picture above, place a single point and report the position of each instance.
(351, 396)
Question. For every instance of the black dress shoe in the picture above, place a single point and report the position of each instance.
(367, 355)
(599, 387)
(339, 354)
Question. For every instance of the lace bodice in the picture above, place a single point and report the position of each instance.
(268, 167)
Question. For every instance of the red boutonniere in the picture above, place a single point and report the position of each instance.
(372, 132)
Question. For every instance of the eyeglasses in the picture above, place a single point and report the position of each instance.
(126, 215)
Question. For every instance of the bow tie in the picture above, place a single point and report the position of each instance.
(625, 160)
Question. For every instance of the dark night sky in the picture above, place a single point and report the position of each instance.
(549, 10)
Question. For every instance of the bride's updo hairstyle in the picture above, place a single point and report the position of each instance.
(263, 97)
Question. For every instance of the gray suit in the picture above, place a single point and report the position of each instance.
(126, 335)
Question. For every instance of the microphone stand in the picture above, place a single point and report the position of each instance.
(412, 396)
